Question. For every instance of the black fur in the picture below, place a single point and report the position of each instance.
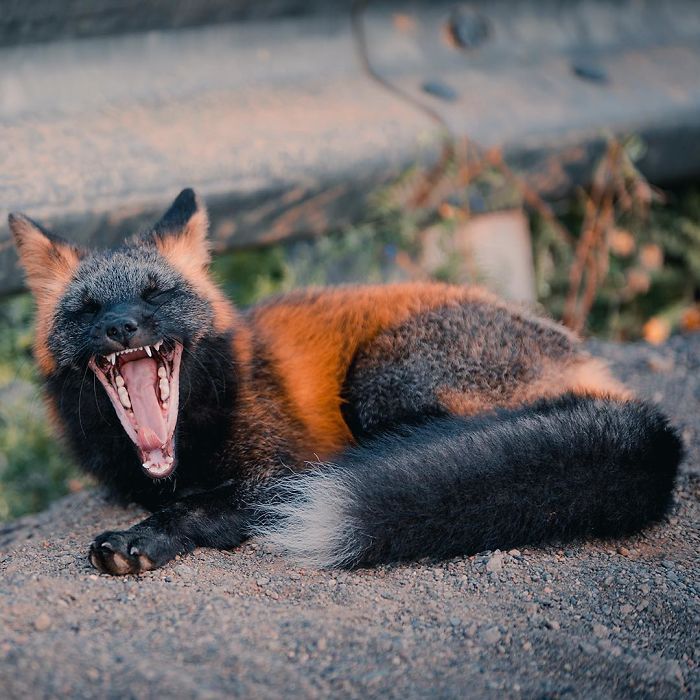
(560, 469)
(179, 213)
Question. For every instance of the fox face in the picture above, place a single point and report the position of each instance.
(125, 317)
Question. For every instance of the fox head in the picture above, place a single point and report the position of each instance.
(126, 317)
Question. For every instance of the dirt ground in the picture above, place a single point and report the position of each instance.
(596, 620)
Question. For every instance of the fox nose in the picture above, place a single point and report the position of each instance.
(121, 329)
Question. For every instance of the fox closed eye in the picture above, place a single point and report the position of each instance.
(90, 307)
(154, 295)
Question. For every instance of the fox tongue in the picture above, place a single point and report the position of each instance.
(141, 379)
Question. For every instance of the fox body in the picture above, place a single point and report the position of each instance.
(352, 426)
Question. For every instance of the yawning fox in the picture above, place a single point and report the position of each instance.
(351, 425)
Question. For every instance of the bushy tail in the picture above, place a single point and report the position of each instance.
(560, 469)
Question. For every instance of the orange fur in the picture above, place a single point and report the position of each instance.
(49, 266)
(313, 335)
(189, 253)
(586, 376)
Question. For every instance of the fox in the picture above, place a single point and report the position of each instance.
(350, 426)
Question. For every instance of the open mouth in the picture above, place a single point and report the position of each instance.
(143, 385)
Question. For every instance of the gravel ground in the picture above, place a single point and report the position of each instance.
(597, 620)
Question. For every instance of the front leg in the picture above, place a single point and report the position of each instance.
(215, 518)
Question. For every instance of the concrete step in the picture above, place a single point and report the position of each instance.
(279, 128)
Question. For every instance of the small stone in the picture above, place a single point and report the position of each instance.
(600, 631)
(322, 644)
(623, 551)
(262, 581)
(527, 646)
(294, 576)
(495, 563)
(626, 609)
(42, 622)
(184, 570)
(660, 364)
(514, 553)
(552, 624)
(491, 635)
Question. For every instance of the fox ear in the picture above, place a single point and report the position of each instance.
(181, 233)
(48, 261)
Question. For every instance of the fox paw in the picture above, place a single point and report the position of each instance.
(131, 551)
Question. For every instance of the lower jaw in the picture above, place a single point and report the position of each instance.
(156, 472)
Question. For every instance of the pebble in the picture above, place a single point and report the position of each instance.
(660, 364)
(495, 563)
(600, 631)
(491, 635)
(552, 624)
(42, 622)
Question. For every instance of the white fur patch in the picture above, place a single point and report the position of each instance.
(309, 520)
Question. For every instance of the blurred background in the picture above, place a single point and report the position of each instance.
(547, 149)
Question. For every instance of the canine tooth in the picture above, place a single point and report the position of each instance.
(169, 459)
(162, 372)
(119, 381)
(148, 351)
(112, 358)
(164, 389)
(124, 397)
(158, 344)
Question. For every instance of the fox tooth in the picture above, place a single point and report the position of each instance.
(164, 389)
(148, 351)
(158, 344)
(124, 397)
(162, 372)
(112, 358)
(119, 381)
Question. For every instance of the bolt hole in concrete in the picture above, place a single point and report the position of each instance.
(466, 28)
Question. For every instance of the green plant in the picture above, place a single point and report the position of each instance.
(34, 468)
